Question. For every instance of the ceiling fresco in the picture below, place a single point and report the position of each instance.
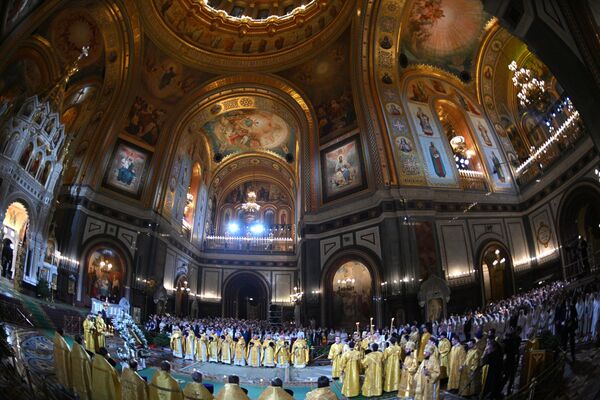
(443, 33)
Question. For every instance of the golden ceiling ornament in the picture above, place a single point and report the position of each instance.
(209, 39)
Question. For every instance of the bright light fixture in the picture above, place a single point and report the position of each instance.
(257, 229)
(233, 227)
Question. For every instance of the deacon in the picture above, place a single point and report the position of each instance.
(425, 336)
(426, 378)
(391, 367)
(163, 386)
(275, 391)
(373, 366)
(300, 352)
(335, 355)
(196, 390)
(177, 342)
(89, 330)
(134, 387)
(455, 362)
(282, 353)
(100, 331)
(226, 349)
(406, 387)
(268, 353)
(105, 381)
(213, 348)
(62, 359)
(239, 355)
(322, 392)
(232, 390)
(444, 347)
(469, 376)
(253, 353)
(81, 370)
(351, 371)
(202, 348)
(190, 344)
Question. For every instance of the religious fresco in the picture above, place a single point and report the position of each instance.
(440, 169)
(22, 76)
(326, 80)
(105, 275)
(443, 33)
(73, 29)
(249, 129)
(265, 192)
(127, 169)
(15, 11)
(342, 169)
(352, 294)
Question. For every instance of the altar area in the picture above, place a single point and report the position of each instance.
(112, 310)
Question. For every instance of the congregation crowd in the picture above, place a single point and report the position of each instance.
(475, 354)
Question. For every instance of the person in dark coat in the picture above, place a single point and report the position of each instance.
(492, 357)
(511, 343)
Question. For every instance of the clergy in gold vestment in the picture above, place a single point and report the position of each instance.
(81, 370)
(424, 340)
(62, 360)
(226, 349)
(232, 390)
(322, 392)
(414, 336)
(335, 355)
(455, 361)
(268, 352)
(275, 392)
(239, 355)
(300, 352)
(89, 329)
(373, 366)
(177, 342)
(100, 332)
(202, 348)
(351, 372)
(190, 345)
(105, 381)
(426, 378)
(391, 366)
(163, 386)
(196, 390)
(469, 373)
(133, 386)
(214, 346)
(282, 353)
(253, 353)
(406, 387)
(444, 347)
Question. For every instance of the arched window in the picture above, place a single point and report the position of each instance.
(46, 173)
(189, 211)
(25, 155)
(35, 165)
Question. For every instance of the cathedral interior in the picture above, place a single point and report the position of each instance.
(317, 161)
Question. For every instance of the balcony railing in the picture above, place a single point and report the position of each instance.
(472, 180)
(268, 244)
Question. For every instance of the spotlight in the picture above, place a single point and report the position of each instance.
(257, 229)
(233, 227)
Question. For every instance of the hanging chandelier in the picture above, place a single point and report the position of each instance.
(250, 206)
(531, 89)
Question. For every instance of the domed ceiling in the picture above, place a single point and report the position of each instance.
(235, 37)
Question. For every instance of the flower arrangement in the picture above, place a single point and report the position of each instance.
(131, 334)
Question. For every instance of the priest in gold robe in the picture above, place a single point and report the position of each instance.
(232, 390)
(322, 392)
(470, 376)
(406, 387)
(239, 354)
(81, 370)
(202, 348)
(89, 334)
(163, 386)
(177, 342)
(425, 335)
(196, 390)
(282, 352)
(300, 352)
(133, 386)
(253, 353)
(335, 355)
(455, 362)
(105, 381)
(391, 366)
(373, 366)
(414, 336)
(268, 352)
(444, 347)
(275, 391)
(428, 373)
(226, 350)
(190, 344)
(351, 371)
(62, 359)
(214, 346)
(100, 332)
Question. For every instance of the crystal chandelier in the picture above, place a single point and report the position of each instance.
(346, 285)
(531, 89)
